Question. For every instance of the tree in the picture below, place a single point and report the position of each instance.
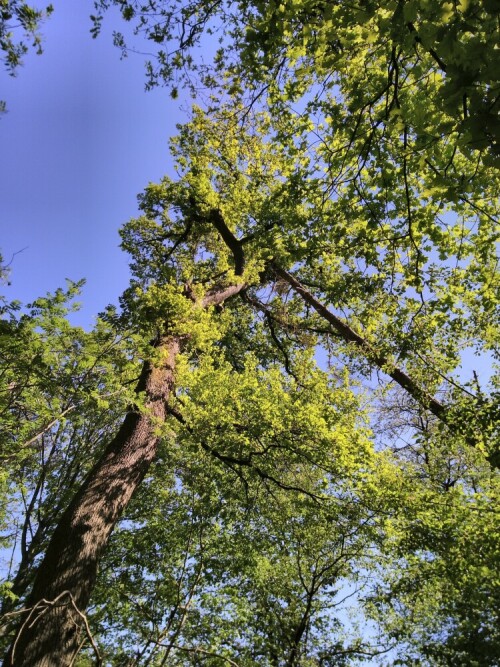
(364, 60)
(410, 187)
(59, 399)
(156, 304)
(239, 572)
(352, 234)
(19, 17)
(439, 600)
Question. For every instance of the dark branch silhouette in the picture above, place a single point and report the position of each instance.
(234, 245)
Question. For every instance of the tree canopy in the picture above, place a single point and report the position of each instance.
(274, 418)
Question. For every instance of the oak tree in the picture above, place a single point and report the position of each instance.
(329, 245)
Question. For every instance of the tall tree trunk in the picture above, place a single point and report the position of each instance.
(52, 632)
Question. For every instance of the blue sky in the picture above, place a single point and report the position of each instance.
(80, 140)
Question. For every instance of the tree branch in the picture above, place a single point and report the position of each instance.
(219, 295)
(350, 336)
(42, 606)
(234, 245)
(205, 652)
(244, 462)
(43, 430)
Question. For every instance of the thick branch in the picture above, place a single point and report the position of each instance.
(219, 295)
(234, 245)
(431, 51)
(350, 336)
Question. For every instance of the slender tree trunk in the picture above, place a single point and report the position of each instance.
(301, 627)
(52, 632)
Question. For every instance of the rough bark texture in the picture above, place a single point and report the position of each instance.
(51, 634)
(53, 628)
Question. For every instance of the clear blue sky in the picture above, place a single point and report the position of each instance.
(80, 140)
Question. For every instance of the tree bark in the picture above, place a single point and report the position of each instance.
(51, 631)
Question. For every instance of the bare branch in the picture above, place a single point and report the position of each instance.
(218, 295)
(42, 606)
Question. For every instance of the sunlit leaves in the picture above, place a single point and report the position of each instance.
(444, 583)
(347, 152)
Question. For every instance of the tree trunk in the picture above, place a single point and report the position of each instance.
(52, 629)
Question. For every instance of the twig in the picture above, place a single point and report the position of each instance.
(47, 427)
(46, 604)
(209, 653)
(18, 252)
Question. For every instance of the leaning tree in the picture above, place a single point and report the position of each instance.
(338, 198)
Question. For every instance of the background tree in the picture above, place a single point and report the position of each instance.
(439, 599)
(62, 391)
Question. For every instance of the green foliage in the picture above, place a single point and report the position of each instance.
(441, 596)
(62, 391)
(418, 288)
(19, 18)
(17, 15)
(234, 544)
(369, 59)
(343, 183)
